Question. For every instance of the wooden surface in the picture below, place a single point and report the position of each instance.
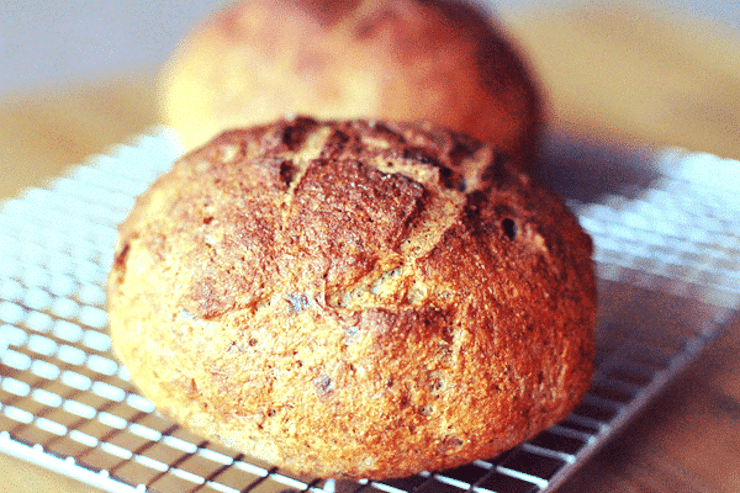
(619, 73)
(688, 440)
(43, 132)
(639, 75)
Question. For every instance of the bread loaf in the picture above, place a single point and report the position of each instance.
(354, 298)
(439, 60)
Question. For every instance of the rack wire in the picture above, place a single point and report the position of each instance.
(668, 257)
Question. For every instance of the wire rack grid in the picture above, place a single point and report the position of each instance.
(668, 258)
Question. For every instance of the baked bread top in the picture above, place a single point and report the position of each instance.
(405, 60)
(355, 299)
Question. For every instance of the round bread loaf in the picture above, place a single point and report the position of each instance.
(406, 60)
(354, 299)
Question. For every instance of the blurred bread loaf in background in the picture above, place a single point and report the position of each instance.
(404, 60)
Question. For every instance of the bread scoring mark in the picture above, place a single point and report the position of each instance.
(288, 135)
(374, 143)
(349, 173)
(334, 145)
(384, 284)
(288, 172)
(296, 164)
(359, 192)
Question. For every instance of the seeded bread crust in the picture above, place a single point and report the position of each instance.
(407, 60)
(354, 299)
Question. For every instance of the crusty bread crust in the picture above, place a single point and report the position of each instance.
(355, 299)
(405, 60)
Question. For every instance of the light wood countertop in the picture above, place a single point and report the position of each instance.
(621, 74)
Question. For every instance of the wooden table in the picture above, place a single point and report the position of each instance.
(620, 74)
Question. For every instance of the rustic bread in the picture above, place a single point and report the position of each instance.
(354, 299)
(438, 60)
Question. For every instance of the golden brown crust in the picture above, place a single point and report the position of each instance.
(405, 60)
(354, 299)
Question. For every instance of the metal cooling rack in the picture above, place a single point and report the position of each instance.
(668, 254)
